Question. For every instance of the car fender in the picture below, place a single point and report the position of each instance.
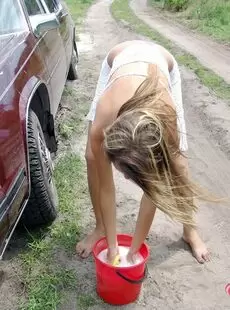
(26, 96)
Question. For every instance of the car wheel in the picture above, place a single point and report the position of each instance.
(42, 206)
(72, 75)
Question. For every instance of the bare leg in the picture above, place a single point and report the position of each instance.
(198, 247)
(85, 246)
(190, 234)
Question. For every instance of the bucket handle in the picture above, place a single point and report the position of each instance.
(141, 280)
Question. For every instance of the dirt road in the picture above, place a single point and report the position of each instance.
(209, 53)
(176, 281)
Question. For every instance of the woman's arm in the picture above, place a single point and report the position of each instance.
(147, 211)
(106, 192)
(105, 176)
(144, 222)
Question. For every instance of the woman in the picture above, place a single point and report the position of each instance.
(137, 123)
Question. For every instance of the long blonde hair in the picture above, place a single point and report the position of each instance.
(144, 142)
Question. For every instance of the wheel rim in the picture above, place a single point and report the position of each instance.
(47, 167)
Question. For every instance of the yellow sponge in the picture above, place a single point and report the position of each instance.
(116, 261)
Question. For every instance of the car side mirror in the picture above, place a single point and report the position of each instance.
(62, 11)
(43, 23)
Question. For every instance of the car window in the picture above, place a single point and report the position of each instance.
(34, 7)
(52, 5)
(11, 17)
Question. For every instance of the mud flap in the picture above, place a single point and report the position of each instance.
(52, 141)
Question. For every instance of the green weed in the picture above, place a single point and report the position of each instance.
(210, 16)
(122, 12)
(78, 9)
(44, 292)
(175, 5)
(66, 130)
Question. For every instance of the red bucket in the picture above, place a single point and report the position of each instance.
(119, 285)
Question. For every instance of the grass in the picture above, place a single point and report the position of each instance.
(86, 301)
(45, 291)
(70, 126)
(78, 9)
(66, 130)
(210, 17)
(45, 279)
(122, 12)
(73, 122)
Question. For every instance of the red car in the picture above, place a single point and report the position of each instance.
(37, 54)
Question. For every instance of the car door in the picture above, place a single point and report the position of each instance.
(51, 46)
(13, 181)
(66, 25)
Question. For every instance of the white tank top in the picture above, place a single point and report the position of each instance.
(143, 52)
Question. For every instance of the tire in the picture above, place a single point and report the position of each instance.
(42, 205)
(72, 75)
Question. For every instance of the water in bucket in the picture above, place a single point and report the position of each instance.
(123, 262)
(119, 285)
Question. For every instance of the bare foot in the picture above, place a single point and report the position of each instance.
(84, 247)
(199, 249)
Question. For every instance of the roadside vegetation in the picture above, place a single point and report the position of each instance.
(44, 277)
(123, 13)
(208, 16)
(78, 8)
